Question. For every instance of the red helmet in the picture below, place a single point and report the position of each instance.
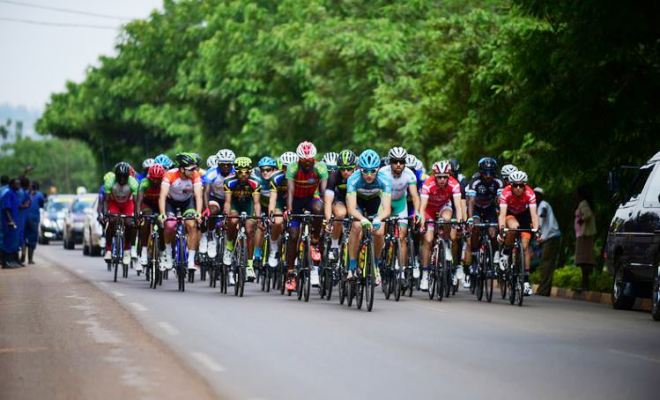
(156, 171)
(306, 150)
(442, 168)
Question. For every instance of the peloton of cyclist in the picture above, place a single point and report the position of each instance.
(147, 204)
(277, 203)
(334, 199)
(120, 189)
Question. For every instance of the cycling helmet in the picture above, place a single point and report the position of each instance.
(419, 165)
(441, 168)
(487, 166)
(411, 161)
(330, 159)
(518, 177)
(346, 159)
(508, 170)
(212, 161)
(148, 163)
(226, 156)
(306, 150)
(369, 159)
(163, 160)
(243, 163)
(455, 166)
(267, 162)
(287, 158)
(186, 159)
(198, 158)
(398, 153)
(156, 171)
(122, 170)
(384, 161)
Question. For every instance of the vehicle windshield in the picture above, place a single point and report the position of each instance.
(57, 206)
(81, 206)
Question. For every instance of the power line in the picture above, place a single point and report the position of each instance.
(61, 25)
(63, 10)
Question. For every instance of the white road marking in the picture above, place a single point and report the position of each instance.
(118, 294)
(638, 356)
(168, 328)
(208, 362)
(139, 307)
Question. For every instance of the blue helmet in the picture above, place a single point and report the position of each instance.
(267, 162)
(369, 159)
(163, 160)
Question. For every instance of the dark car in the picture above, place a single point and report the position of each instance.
(633, 240)
(52, 217)
(74, 220)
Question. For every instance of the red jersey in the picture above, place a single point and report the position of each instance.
(438, 196)
(517, 204)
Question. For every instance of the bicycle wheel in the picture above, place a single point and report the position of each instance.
(521, 275)
(489, 270)
(329, 283)
(236, 266)
(370, 279)
(359, 296)
(479, 279)
(242, 268)
(224, 278)
(299, 284)
(433, 273)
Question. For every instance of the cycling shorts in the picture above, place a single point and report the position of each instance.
(524, 221)
(485, 215)
(126, 208)
(368, 207)
(186, 207)
(302, 204)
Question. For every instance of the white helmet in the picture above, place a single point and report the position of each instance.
(508, 170)
(398, 153)
(306, 150)
(288, 158)
(148, 163)
(411, 161)
(441, 168)
(518, 177)
(212, 161)
(226, 156)
(330, 159)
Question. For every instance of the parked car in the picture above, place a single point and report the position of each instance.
(52, 217)
(74, 220)
(93, 240)
(633, 239)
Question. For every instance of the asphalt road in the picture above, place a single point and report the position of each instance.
(267, 346)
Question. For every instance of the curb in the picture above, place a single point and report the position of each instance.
(593, 297)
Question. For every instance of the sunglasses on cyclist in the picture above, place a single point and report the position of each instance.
(191, 169)
(370, 171)
(518, 185)
(266, 170)
(442, 177)
(243, 171)
(397, 161)
(346, 168)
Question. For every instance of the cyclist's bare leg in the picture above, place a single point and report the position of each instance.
(403, 245)
(232, 225)
(291, 251)
(354, 240)
(193, 234)
(317, 209)
(251, 236)
(339, 211)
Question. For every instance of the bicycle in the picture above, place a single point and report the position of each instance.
(214, 267)
(154, 274)
(304, 263)
(482, 263)
(343, 260)
(238, 266)
(181, 250)
(118, 244)
(516, 268)
(389, 258)
(441, 269)
(364, 283)
(265, 274)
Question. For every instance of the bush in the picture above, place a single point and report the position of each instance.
(570, 277)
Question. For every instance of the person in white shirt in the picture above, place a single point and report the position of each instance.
(549, 241)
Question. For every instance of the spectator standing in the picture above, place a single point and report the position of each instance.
(37, 201)
(8, 219)
(23, 205)
(4, 186)
(549, 241)
(585, 232)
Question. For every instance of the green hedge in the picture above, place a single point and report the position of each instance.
(570, 277)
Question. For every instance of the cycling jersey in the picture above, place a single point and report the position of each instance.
(438, 197)
(401, 183)
(517, 204)
(380, 186)
(150, 192)
(337, 185)
(306, 182)
(485, 193)
(115, 191)
(241, 193)
(278, 183)
(264, 184)
(180, 187)
(214, 179)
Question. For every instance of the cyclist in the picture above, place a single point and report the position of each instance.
(266, 168)
(506, 171)
(306, 178)
(163, 160)
(120, 189)
(368, 194)
(145, 169)
(518, 211)
(181, 192)
(147, 204)
(330, 160)
(334, 198)
(277, 202)
(213, 182)
(437, 195)
(482, 193)
(404, 182)
(242, 195)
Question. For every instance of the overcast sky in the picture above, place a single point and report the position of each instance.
(37, 60)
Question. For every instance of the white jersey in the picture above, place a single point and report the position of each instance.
(400, 184)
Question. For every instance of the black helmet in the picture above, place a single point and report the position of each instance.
(122, 170)
(346, 159)
(187, 159)
(487, 166)
(455, 166)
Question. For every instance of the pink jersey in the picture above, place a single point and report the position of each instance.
(517, 204)
(438, 196)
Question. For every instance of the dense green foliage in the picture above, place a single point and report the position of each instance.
(66, 164)
(564, 89)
